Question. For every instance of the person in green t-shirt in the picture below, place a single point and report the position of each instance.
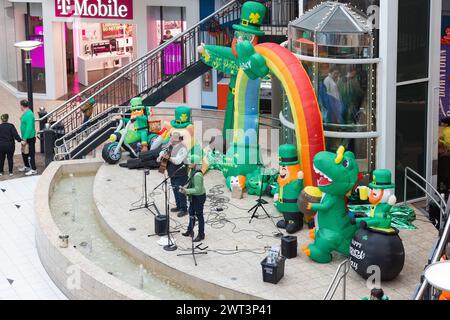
(28, 133)
(197, 198)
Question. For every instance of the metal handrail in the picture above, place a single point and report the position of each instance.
(337, 281)
(139, 60)
(444, 207)
(441, 204)
(438, 253)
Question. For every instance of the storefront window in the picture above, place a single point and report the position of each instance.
(411, 135)
(413, 39)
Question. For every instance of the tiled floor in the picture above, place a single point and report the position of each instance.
(22, 275)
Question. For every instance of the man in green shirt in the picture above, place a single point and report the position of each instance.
(197, 197)
(28, 133)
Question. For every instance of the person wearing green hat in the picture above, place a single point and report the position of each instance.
(197, 197)
(225, 59)
(382, 199)
(88, 109)
(288, 188)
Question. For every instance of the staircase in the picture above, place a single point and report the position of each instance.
(67, 137)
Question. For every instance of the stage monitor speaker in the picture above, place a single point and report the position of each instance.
(161, 225)
(289, 247)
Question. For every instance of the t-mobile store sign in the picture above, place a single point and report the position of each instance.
(100, 9)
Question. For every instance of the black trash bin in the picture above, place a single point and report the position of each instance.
(273, 273)
(289, 247)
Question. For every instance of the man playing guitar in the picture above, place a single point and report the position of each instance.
(175, 157)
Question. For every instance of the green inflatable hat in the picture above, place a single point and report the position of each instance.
(136, 103)
(381, 180)
(252, 15)
(288, 155)
(182, 118)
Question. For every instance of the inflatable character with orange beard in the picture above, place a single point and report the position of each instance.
(227, 60)
(290, 184)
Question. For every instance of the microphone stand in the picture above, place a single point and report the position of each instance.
(259, 203)
(193, 251)
(171, 246)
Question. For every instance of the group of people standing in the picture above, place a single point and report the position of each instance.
(341, 96)
(27, 138)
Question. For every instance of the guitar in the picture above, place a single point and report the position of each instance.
(165, 159)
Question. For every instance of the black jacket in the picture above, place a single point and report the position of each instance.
(8, 133)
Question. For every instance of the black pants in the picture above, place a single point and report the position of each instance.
(7, 151)
(29, 160)
(180, 198)
(196, 213)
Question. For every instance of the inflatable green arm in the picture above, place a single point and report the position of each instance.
(325, 205)
(220, 58)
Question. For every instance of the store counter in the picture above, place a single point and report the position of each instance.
(100, 62)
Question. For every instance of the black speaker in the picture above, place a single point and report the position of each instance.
(289, 247)
(161, 225)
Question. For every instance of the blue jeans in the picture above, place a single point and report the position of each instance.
(180, 198)
(196, 213)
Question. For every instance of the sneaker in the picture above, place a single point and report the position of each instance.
(1, 174)
(24, 169)
(11, 174)
(174, 210)
(181, 214)
(31, 173)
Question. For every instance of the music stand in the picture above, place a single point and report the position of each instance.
(193, 251)
(147, 205)
(260, 202)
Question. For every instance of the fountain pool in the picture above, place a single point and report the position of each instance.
(72, 208)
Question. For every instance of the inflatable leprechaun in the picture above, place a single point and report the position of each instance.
(288, 187)
(140, 116)
(382, 199)
(227, 60)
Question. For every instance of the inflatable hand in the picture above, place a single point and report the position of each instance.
(392, 200)
(253, 64)
(300, 175)
(276, 197)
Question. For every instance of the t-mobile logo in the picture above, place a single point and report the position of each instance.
(64, 7)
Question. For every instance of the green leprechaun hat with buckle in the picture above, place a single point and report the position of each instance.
(182, 118)
(381, 180)
(136, 103)
(288, 155)
(252, 16)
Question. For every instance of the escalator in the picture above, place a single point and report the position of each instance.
(67, 137)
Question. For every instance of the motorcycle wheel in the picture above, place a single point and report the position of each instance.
(108, 153)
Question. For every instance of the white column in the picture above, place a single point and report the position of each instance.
(433, 90)
(387, 89)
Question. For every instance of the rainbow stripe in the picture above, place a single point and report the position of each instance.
(302, 99)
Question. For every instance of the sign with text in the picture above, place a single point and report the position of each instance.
(98, 9)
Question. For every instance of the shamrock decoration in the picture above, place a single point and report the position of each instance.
(254, 17)
(184, 117)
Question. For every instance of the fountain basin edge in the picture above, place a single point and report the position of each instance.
(75, 275)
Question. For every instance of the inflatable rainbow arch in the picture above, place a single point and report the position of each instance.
(302, 99)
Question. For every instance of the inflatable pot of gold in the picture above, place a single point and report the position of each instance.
(309, 195)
